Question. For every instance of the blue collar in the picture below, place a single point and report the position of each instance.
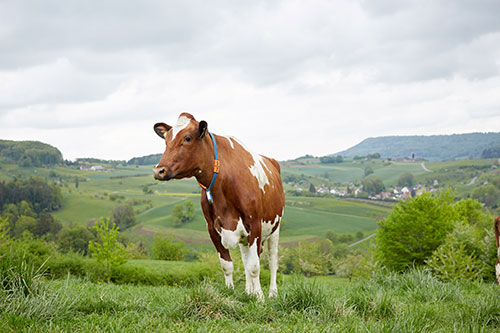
(208, 190)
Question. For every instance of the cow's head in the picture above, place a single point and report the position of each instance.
(187, 148)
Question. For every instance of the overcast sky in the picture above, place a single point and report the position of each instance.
(285, 77)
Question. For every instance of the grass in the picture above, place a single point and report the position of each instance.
(410, 302)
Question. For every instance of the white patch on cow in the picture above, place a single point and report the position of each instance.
(157, 165)
(257, 170)
(497, 269)
(227, 268)
(230, 239)
(252, 269)
(267, 227)
(182, 123)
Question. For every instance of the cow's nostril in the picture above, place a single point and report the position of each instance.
(162, 171)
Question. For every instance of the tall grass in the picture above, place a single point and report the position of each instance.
(410, 302)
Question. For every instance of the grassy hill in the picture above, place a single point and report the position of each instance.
(433, 147)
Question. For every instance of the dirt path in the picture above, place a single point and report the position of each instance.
(362, 240)
(423, 167)
(472, 181)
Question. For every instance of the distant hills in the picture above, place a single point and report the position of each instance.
(29, 153)
(432, 147)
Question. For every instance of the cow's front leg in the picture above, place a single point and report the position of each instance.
(252, 268)
(224, 257)
(227, 267)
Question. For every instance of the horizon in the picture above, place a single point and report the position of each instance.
(285, 78)
(281, 160)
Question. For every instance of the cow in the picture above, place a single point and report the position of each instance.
(242, 196)
(497, 234)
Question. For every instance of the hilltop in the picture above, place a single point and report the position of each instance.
(29, 153)
(431, 147)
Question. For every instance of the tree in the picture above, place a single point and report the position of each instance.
(332, 236)
(124, 216)
(312, 189)
(414, 229)
(178, 214)
(486, 194)
(47, 224)
(368, 171)
(74, 239)
(25, 223)
(107, 250)
(189, 214)
(166, 248)
(406, 179)
(76, 182)
(373, 185)
(183, 212)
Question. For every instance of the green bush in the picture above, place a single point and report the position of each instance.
(414, 229)
(165, 248)
(451, 263)
(308, 258)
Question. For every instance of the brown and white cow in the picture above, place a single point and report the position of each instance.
(497, 235)
(247, 196)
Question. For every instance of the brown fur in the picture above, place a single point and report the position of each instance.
(236, 193)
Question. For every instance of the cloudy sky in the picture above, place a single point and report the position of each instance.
(285, 77)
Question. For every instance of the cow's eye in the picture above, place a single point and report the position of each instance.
(187, 138)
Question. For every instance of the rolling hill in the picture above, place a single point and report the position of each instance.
(432, 147)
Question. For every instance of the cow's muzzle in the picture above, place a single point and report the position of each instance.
(161, 173)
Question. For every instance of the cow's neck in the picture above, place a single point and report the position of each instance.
(206, 170)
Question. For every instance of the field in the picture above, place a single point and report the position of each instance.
(98, 193)
(411, 302)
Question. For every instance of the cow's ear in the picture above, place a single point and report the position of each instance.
(162, 129)
(202, 129)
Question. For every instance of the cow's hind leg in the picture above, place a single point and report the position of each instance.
(252, 268)
(272, 246)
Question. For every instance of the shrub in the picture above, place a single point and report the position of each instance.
(107, 250)
(165, 248)
(74, 239)
(451, 263)
(308, 258)
(414, 229)
(123, 216)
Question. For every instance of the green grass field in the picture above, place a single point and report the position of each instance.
(410, 302)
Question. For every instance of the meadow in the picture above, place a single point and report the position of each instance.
(410, 302)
